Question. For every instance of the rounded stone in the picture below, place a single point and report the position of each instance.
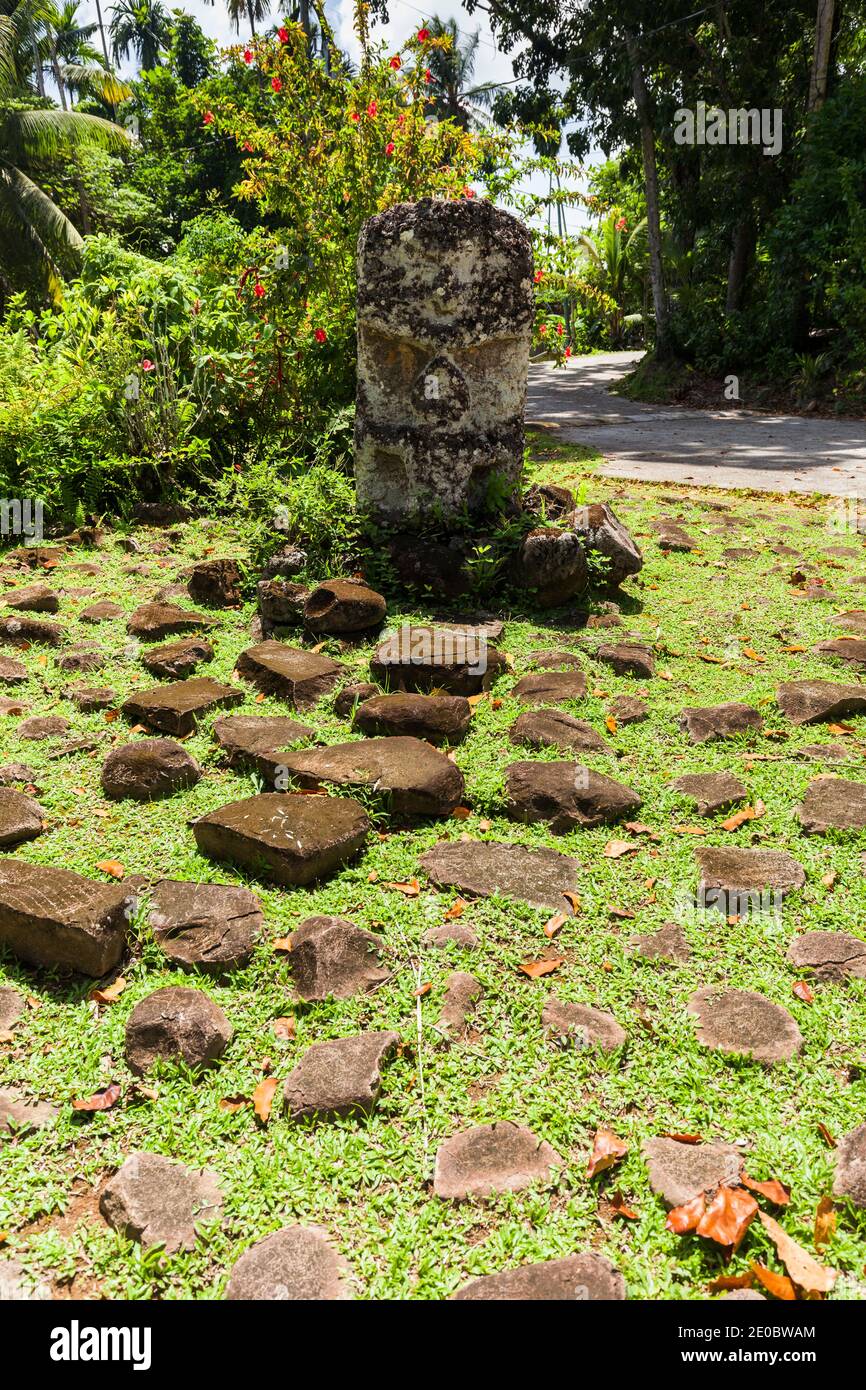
(579, 1025)
(830, 954)
(678, 1172)
(176, 1024)
(343, 605)
(150, 768)
(586, 1278)
(158, 1201)
(552, 566)
(850, 1179)
(296, 1264)
(742, 1022)
(500, 1157)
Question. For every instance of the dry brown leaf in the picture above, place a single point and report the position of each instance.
(752, 654)
(620, 1208)
(728, 1217)
(461, 813)
(422, 990)
(615, 849)
(740, 817)
(536, 968)
(805, 1271)
(112, 867)
(802, 991)
(611, 724)
(792, 650)
(727, 1282)
(456, 909)
(684, 1138)
(484, 825)
(686, 1218)
(110, 994)
(623, 912)
(573, 901)
(825, 1222)
(263, 1098)
(109, 715)
(102, 1100)
(638, 828)
(688, 829)
(774, 1191)
(410, 889)
(826, 1135)
(285, 1028)
(282, 943)
(554, 925)
(841, 729)
(234, 1103)
(607, 1149)
(779, 1285)
(829, 879)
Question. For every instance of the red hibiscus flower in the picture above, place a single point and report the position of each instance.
(248, 147)
(390, 147)
(542, 329)
(372, 109)
(276, 83)
(248, 55)
(395, 62)
(208, 118)
(539, 276)
(568, 352)
(283, 35)
(320, 335)
(621, 225)
(559, 329)
(259, 290)
(354, 117)
(427, 76)
(423, 35)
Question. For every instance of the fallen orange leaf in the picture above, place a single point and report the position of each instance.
(102, 1100)
(112, 867)
(825, 1222)
(607, 1149)
(802, 991)
(779, 1285)
(615, 849)
(728, 1216)
(410, 889)
(110, 994)
(682, 1219)
(536, 968)
(455, 910)
(774, 1191)
(805, 1271)
(263, 1098)
(285, 1028)
(554, 925)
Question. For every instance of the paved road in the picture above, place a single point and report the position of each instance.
(724, 448)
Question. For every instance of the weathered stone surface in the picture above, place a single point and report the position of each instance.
(550, 688)
(216, 582)
(432, 568)
(668, 943)
(17, 1286)
(176, 659)
(502, 1157)
(21, 818)
(176, 708)
(850, 649)
(212, 927)
(53, 917)
(549, 500)
(850, 1179)
(628, 709)
(412, 777)
(289, 560)
(437, 718)
(8, 706)
(743, 1296)
(586, 1278)
(831, 955)
(460, 660)
(578, 1025)
(809, 702)
(742, 1022)
(730, 875)
(22, 628)
(103, 611)
(83, 659)
(10, 773)
(149, 768)
(21, 1115)
(12, 672)
(343, 605)
(565, 795)
(242, 737)
(826, 753)
(711, 791)
(341, 1077)
(486, 869)
(553, 728)
(286, 838)
(445, 309)
(679, 1172)
(333, 957)
(12, 1006)
(297, 676)
(603, 532)
(347, 699)
(556, 660)
(33, 598)
(160, 513)
(158, 1201)
(448, 933)
(281, 602)
(719, 721)
(551, 565)
(832, 803)
(42, 726)
(462, 993)
(90, 698)
(151, 622)
(296, 1264)
(176, 1024)
(854, 620)
(627, 659)
(673, 537)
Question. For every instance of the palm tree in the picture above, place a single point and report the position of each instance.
(30, 222)
(451, 69)
(140, 26)
(251, 11)
(617, 257)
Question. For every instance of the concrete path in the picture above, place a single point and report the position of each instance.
(724, 448)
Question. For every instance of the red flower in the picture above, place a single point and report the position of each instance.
(320, 335)
(539, 276)
(276, 83)
(248, 147)
(621, 225)
(560, 330)
(283, 35)
(401, 119)
(372, 109)
(395, 62)
(568, 352)
(259, 290)
(423, 35)
(427, 77)
(248, 55)
(147, 365)
(208, 117)
(390, 147)
(542, 329)
(468, 192)
(355, 117)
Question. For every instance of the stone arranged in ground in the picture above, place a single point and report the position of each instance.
(411, 777)
(541, 877)
(212, 927)
(817, 701)
(579, 1025)
(742, 1022)
(500, 1157)
(22, 1114)
(719, 721)
(158, 1201)
(176, 1024)
(627, 659)
(151, 622)
(461, 661)
(550, 688)
(176, 708)
(176, 659)
(437, 718)
(343, 605)
(680, 1171)
(299, 677)
(331, 957)
(287, 838)
(832, 803)
(669, 943)
(341, 1077)
(588, 1278)
(553, 728)
(149, 768)
(850, 1179)
(830, 955)
(711, 791)
(297, 1264)
(242, 737)
(729, 873)
(566, 795)
(55, 918)
(21, 818)
(462, 992)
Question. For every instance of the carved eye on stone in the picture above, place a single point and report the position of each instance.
(396, 361)
(440, 391)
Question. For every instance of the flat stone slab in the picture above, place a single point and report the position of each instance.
(730, 874)
(83, 659)
(331, 957)
(213, 927)
(461, 661)
(827, 753)
(149, 768)
(341, 1077)
(719, 721)
(177, 708)
(501, 1157)
(21, 1115)
(680, 1172)
(288, 838)
(487, 868)
(410, 776)
(21, 818)
(151, 622)
(850, 1179)
(553, 728)
(32, 598)
(850, 649)
(667, 944)
(579, 1025)
(854, 620)
(437, 718)
(242, 737)
(343, 605)
(711, 791)
(299, 677)
(42, 726)
(462, 992)
(830, 955)
(832, 803)
(566, 795)
(811, 702)
(12, 1006)
(176, 1024)
(103, 611)
(173, 660)
(296, 1264)
(627, 659)
(350, 697)
(216, 582)
(550, 688)
(56, 918)
(90, 698)
(628, 709)
(586, 1278)
(158, 1201)
(12, 672)
(450, 933)
(740, 1021)
(554, 660)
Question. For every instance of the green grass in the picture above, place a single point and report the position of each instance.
(367, 1181)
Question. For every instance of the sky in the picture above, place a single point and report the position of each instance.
(492, 65)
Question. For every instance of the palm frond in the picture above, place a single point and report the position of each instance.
(44, 134)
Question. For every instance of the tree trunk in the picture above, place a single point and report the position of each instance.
(55, 68)
(102, 33)
(664, 346)
(40, 83)
(252, 21)
(821, 55)
(742, 246)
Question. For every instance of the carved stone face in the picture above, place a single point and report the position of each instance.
(444, 326)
